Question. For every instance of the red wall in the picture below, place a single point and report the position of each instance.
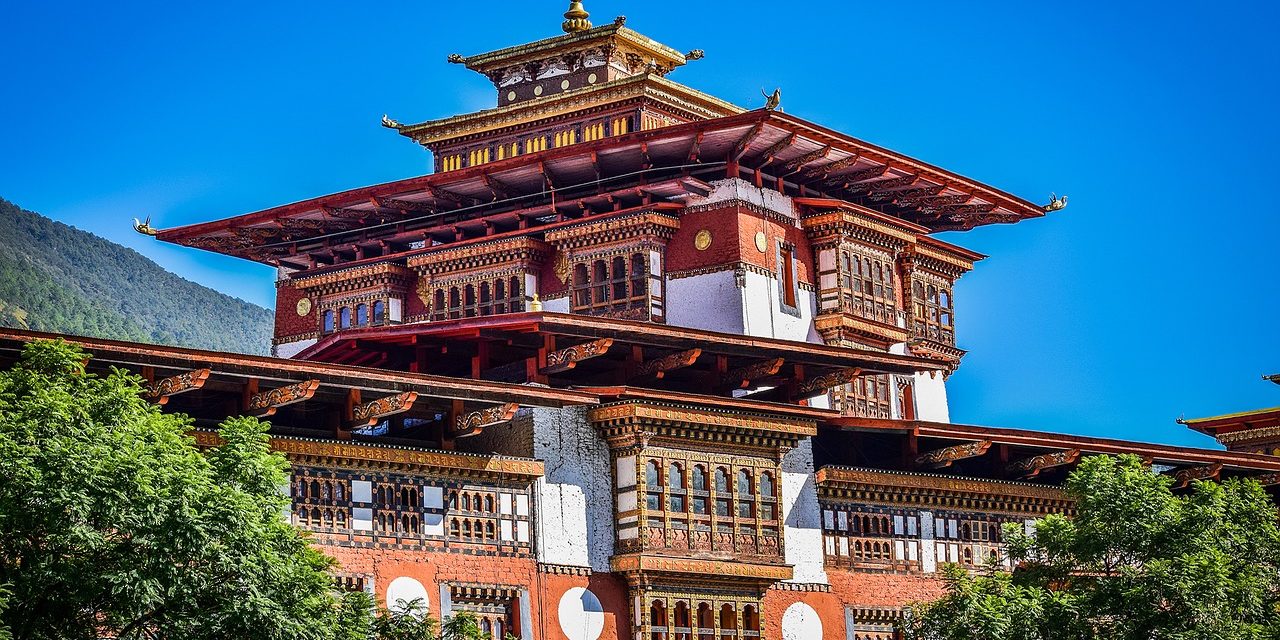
(288, 322)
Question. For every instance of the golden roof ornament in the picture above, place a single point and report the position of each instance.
(771, 102)
(144, 227)
(1055, 203)
(390, 123)
(575, 19)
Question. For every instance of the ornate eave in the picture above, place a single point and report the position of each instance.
(589, 233)
(385, 275)
(614, 33)
(514, 253)
(850, 221)
(395, 458)
(528, 113)
(838, 326)
(627, 425)
(645, 570)
(852, 484)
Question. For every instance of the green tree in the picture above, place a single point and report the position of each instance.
(1135, 562)
(112, 522)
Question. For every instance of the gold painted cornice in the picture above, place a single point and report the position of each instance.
(532, 111)
(363, 455)
(691, 417)
(642, 563)
(846, 484)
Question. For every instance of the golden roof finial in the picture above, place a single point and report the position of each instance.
(575, 19)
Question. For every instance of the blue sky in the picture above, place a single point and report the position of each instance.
(1152, 295)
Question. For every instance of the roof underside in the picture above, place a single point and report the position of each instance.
(519, 194)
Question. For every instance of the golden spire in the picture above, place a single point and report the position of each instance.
(575, 19)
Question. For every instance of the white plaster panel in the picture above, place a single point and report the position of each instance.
(763, 315)
(433, 524)
(626, 471)
(291, 349)
(361, 491)
(801, 622)
(739, 189)
(575, 508)
(710, 301)
(395, 310)
(928, 554)
(627, 502)
(362, 519)
(931, 398)
(504, 504)
(802, 516)
(433, 497)
(558, 305)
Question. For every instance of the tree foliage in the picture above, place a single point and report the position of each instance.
(57, 278)
(1136, 561)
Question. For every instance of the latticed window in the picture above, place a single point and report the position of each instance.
(933, 311)
(616, 284)
(867, 288)
(867, 396)
(488, 297)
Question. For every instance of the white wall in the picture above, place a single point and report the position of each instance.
(931, 397)
(291, 349)
(763, 315)
(710, 301)
(575, 497)
(802, 534)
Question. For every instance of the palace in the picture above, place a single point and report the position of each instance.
(634, 362)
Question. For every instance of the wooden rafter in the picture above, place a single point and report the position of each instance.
(821, 384)
(831, 167)
(266, 403)
(894, 195)
(744, 377)
(944, 457)
(766, 157)
(883, 185)
(160, 390)
(565, 359)
(659, 367)
(404, 205)
(794, 164)
(695, 148)
(1184, 477)
(472, 423)
(369, 413)
(740, 147)
(1031, 467)
(854, 177)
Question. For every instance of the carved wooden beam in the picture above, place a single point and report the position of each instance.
(160, 390)
(469, 424)
(794, 164)
(1184, 477)
(369, 413)
(266, 403)
(348, 214)
(883, 185)
(932, 202)
(566, 359)
(1032, 466)
(821, 384)
(659, 367)
(767, 155)
(854, 177)
(1268, 479)
(827, 169)
(697, 146)
(740, 147)
(885, 196)
(942, 458)
(404, 205)
(742, 377)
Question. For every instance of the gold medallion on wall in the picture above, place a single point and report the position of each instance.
(702, 240)
(762, 243)
(303, 307)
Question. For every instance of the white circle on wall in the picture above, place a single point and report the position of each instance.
(408, 590)
(564, 84)
(801, 622)
(592, 78)
(511, 96)
(537, 91)
(581, 614)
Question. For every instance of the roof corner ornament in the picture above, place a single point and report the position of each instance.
(696, 54)
(575, 19)
(455, 58)
(535, 305)
(391, 124)
(1055, 203)
(144, 228)
(772, 102)
(620, 21)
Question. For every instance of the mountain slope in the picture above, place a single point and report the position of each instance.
(54, 277)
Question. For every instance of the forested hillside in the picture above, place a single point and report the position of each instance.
(54, 277)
